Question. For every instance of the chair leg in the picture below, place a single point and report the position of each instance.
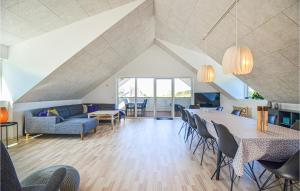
(182, 125)
(266, 182)
(254, 177)
(218, 167)
(203, 151)
(285, 186)
(263, 172)
(192, 139)
(188, 133)
(197, 145)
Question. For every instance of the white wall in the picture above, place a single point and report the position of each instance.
(154, 62)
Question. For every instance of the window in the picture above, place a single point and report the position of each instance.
(145, 87)
(182, 87)
(164, 88)
(126, 87)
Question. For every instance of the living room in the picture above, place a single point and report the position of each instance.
(98, 94)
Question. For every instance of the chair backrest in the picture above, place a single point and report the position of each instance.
(272, 118)
(219, 108)
(9, 178)
(191, 120)
(226, 141)
(290, 169)
(183, 114)
(236, 112)
(201, 126)
(145, 102)
(194, 107)
(56, 180)
(296, 126)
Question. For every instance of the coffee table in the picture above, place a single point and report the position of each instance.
(105, 115)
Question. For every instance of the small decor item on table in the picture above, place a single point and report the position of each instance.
(269, 104)
(3, 115)
(276, 106)
(262, 118)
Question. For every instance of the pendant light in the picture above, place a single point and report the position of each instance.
(237, 60)
(206, 73)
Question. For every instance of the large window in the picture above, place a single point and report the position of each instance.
(164, 88)
(182, 87)
(148, 97)
(126, 87)
(145, 87)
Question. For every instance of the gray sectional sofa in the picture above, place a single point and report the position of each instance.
(71, 120)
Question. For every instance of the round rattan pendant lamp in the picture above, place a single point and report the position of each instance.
(206, 73)
(237, 59)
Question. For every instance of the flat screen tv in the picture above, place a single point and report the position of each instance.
(207, 99)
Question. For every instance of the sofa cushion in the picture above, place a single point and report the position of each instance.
(76, 126)
(83, 115)
(63, 111)
(75, 109)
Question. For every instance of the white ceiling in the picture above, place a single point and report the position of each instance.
(99, 60)
(270, 28)
(24, 19)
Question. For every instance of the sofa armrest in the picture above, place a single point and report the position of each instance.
(40, 124)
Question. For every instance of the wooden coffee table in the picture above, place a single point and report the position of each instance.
(106, 115)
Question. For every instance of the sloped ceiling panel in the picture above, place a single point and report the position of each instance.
(24, 19)
(100, 59)
(270, 28)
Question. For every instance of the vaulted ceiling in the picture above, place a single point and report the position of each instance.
(23, 19)
(270, 28)
(99, 60)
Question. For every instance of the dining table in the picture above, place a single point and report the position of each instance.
(276, 144)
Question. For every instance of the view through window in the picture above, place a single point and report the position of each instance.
(148, 97)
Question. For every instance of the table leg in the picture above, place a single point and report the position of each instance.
(219, 158)
(17, 133)
(113, 123)
(6, 136)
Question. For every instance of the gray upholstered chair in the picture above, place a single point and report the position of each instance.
(63, 178)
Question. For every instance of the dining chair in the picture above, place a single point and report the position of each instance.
(191, 127)
(219, 108)
(272, 118)
(228, 146)
(194, 107)
(10, 181)
(236, 112)
(288, 170)
(205, 137)
(183, 118)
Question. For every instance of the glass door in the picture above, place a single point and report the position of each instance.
(182, 94)
(126, 96)
(145, 97)
(164, 97)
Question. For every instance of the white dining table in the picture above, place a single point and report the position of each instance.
(277, 144)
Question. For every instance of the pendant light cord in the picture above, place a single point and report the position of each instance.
(236, 24)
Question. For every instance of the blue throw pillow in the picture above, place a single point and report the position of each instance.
(42, 113)
(90, 108)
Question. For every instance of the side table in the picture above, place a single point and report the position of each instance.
(6, 125)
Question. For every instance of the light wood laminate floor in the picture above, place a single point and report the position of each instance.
(143, 154)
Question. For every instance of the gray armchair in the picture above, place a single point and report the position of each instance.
(50, 179)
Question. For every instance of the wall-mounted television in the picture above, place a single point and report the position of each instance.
(207, 99)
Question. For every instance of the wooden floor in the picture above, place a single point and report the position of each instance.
(144, 154)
